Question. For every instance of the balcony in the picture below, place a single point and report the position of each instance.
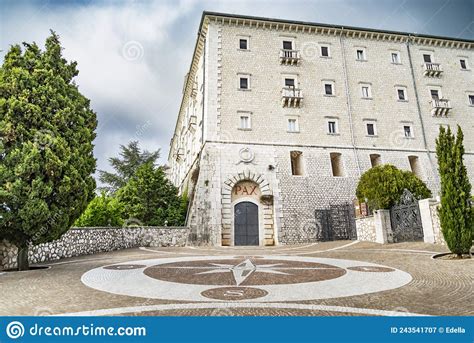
(432, 69)
(179, 154)
(194, 90)
(291, 97)
(440, 107)
(289, 57)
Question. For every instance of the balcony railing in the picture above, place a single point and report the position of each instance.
(289, 56)
(432, 69)
(192, 122)
(440, 107)
(291, 97)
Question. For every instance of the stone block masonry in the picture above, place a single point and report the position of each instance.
(87, 241)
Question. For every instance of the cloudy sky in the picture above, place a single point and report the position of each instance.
(133, 55)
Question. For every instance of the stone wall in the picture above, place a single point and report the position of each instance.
(86, 241)
(366, 229)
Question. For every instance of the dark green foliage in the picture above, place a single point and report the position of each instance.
(456, 212)
(151, 198)
(125, 166)
(383, 186)
(103, 210)
(46, 134)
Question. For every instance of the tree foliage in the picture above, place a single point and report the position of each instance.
(131, 157)
(382, 186)
(103, 210)
(46, 152)
(456, 212)
(151, 198)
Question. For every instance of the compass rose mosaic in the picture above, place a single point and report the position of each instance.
(238, 278)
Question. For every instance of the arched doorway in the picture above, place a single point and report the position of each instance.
(246, 223)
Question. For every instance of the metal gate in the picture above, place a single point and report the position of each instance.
(336, 222)
(405, 219)
(246, 223)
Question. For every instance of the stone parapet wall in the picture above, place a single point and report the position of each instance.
(86, 241)
(366, 229)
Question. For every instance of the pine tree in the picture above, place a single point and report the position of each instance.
(131, 158)
(456, 212)
(46, 151)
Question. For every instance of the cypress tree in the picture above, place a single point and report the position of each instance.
(46, 157)
(456, 212)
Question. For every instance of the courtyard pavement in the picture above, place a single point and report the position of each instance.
(323, 279)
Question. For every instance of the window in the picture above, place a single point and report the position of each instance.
(463, 64)
(360, 54)
(415, 166)
(328, 89)
(395, 57)
(287, 45)
(244, 82)
(427, 58)
(366, 92)
(293, 125)
(375, 160)
(370, 129)
(324, 51)
(289, 82)
(407, 131)
(296, 158)
(471, 100)
(245, 122)
(243, 43)
(336, 164)
(332, 127)
(434, 94)
(401, 94)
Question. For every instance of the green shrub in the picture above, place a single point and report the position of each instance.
(103, 210)
(382, 186)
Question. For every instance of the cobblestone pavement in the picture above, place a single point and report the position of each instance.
(324, 279)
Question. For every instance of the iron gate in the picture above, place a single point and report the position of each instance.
(406, 220)
(337, 222)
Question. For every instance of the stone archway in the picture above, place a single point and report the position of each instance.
(228, 201)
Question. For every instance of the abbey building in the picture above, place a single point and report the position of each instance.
(279, 118)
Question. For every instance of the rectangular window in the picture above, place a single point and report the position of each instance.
(328, 89)
(245, 122)
(289, 82)
(463, 64)
(371, 129)
(365, 91)
(360, 54)
(395, 57)
(292, 125)
(244, 83)
(324, 51)
(287, 45)
(332, 127)
(427, 58)
(336, 164)
(434, 94)
(401, 94)
(471, 100)
(243, 43)
(407, 131)
(296, 162)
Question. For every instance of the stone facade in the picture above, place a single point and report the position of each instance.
(366, 229)
(211, 150)
(87, 241)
